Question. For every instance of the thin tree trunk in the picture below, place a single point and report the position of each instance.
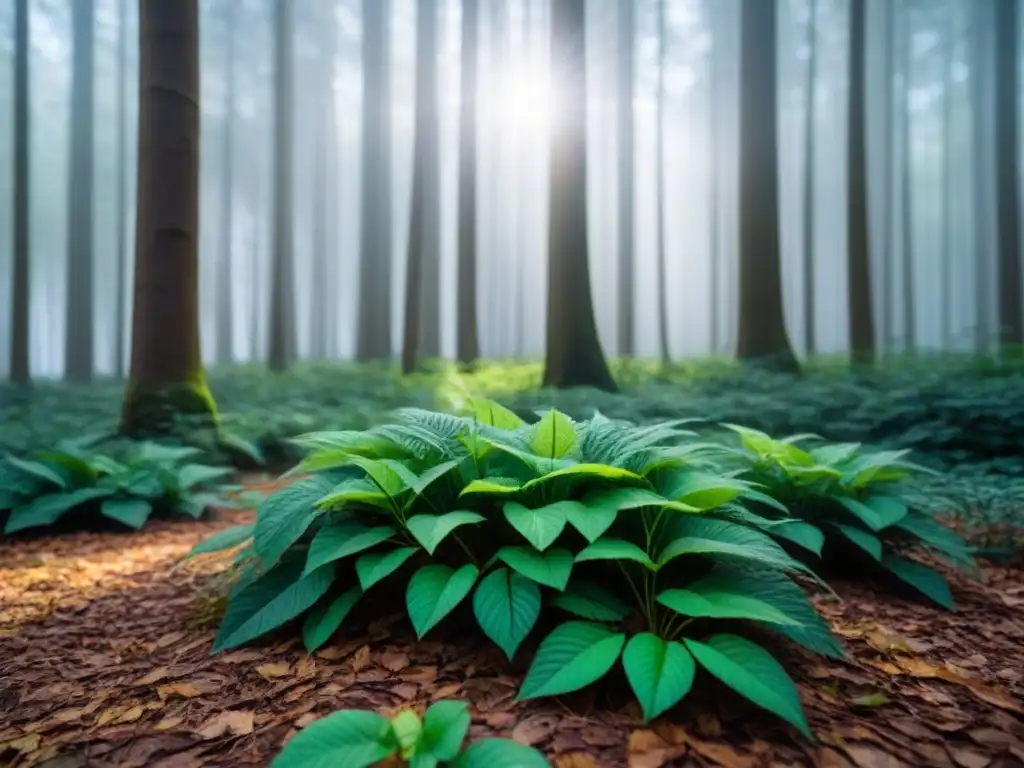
(20, 370)
(225, 273)
(862, 321)
(121, 270)
(282, 349)
(946, 266)
(625, 92)
(659, 160)
(166, 378)
(981, 139)
(78, 344)
(467, 341)
(1007, 46)
(714, 251)
(888, 293)
(809, 176)
(906, 189)
(373, 332)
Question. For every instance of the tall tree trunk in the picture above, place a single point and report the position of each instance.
(121, 276)
(21, 295)
(625, 92)
(78, 344)
(1011, 320)
(573, 357)
(761, 335)
(421, 336)
(467, 338)
(373, 332)
(714, 251)
(811, 89)
(858, 245)
(907, 187)
(888, 293)
(282, 349)
(659, 161)
(981, 139)
(166, 378)
(225, 273)
(946, 266)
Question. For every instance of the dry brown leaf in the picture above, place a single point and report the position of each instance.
(534, 729)
(360, 659)
(394, 661)
(170, 639)
(24, 744)
(168, 723)
(864, 756)
(184, 690)
(966, 758)
(447, 691)
(575, 760)
(154, 676)
(229, 723)
(306, 719)
(274, 670)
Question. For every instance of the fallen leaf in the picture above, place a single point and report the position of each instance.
(229, 723)
(167, 723)
(154, 676)
(534, 729)
(306, 719)
(869, 701)
(360, 659)
(185, 690)
(575, 760)
(170, 639)
(276, 669)
(395, 661)
(965, 758)
(25, 744)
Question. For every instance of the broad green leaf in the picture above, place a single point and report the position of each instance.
(755, 440)
(551, 568)
(702, 600)
(573, 656)
(269, 602)
(862, 512)
(868, 468)
(445, 724)
(352, 738)
(609, 548)
(591, 521)
(492, 486)
(499, 753)
(407, 729)
(660, 672)
(701, 490)
(356, 490)
(889, 510)
(751, 671)
(554, 436)
(586, 471)
(384, 474)
(493, 414)
(922, 578)
(343, 539)
(324, 620)
(705, 536)
(632, 498)
(48, 509)
(435, 473)
(934, 534)
(431, 530)
(226, 539)
(191, 475)
(539, 526)
(434, 591)
(349, 443)
(835, 453)
(506, 605)
(376, 566)
(862, 539)
(590, 601)
(800, 533)
(285, 515)
(37, 470)
(166, 454)
(130, 512)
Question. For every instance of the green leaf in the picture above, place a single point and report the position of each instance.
(48, 509)
(191, 475)
(38, 470)
(431, 530)
(324, 620)
(407, 728)
(434, 591)
(591, 521)
(694, 535)
(445, 724)
(376, 566)
(863, 540)
(934, 534)
(702, 490)
(355, 490)
(751, 671)
(800, 533)
(350, 737)
(343, 539)
(506, 605)
(621, 499)
(492, 486)
(889, 510)
(551, 568)
(862, 512)
(554, 436)
(584, 472)
(285, 515)
(499, 753)
(609, 548)
(573, 656)
(590, 601)
(269, 602)
(130, 512)
(714, 602)
(435, 473)
(229, 538)
(493, 414)
(386, 474)
(660, 672)
(922, 578)
(539, 526)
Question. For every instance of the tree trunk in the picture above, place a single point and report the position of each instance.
(981, 139)
(858, 245)
(761, 336)
(78, 344)
(422, 332)
(659, 167)
(225, 273)
(1011, 321)
(625, 93)
(166, 379)
(467, 341)
(373, 333)
(121, 276)
(809, 176)
(282, 349)
(907, 188)
(714, 251)
(574, 357)
(21, 289)
(946, 266)
(888, 293)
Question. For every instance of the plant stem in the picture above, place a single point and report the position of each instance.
(465, 549)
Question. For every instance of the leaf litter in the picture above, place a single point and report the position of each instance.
(105, 661)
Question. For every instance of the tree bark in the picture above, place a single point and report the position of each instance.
(659, 165)
(1011, 320)
(121, 278)
(467, 341)
(225, 273)
(166, 378)
(574, 357)
(907, 189)
(888, 292)
(761, 336)
(625, 93)
(809, 176)
(21, 288)
(981, 139)
(714, 251)
(946, 267)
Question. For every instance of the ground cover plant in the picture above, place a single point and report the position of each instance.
(75, 481)
(603, 520)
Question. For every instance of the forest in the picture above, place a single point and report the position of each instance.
(511, 383)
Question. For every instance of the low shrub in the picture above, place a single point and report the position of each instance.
(356, 738)
(50, 486)
(598, 519)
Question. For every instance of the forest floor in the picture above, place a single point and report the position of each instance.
(105, 661)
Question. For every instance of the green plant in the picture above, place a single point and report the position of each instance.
(355, 738)
(846, 494)
(41, 490)
(599, 519)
